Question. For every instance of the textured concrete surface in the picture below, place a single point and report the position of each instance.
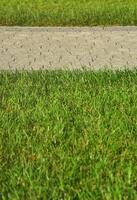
(54, 48)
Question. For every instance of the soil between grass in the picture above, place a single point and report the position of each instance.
(65, 47)
(68, 135)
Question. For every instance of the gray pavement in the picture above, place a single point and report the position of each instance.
(73, 48)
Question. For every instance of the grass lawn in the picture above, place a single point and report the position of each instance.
(68, 12)
(67, 135)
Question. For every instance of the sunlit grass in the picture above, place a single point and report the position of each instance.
(68, 12)
(68, 135)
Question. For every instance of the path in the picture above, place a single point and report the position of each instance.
(54, 48)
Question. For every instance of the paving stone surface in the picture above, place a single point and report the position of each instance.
(55, 48)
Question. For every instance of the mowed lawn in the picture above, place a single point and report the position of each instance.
(68, 12)
(68, 135)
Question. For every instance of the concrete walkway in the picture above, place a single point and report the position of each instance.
(54, 48)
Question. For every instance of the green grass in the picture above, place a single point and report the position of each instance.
(68, 12)
(67, 135)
